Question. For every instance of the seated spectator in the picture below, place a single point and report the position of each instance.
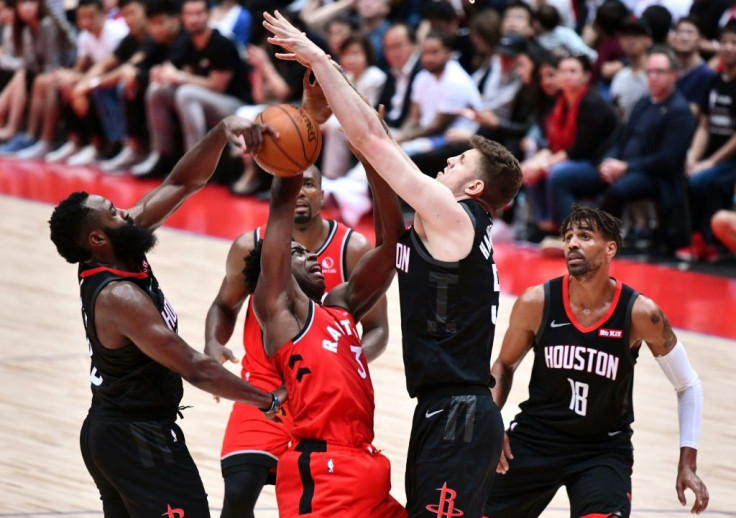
(608, 20)
(695, 74)
(646, 161)
(659, 20)
(210, 83)
(10, 58)
(166, 42)
(440, 92)
(579, 128)
(232, 20)
(100, 83)
(517, 18)
(51, 95)
(555, 37)
(42, 46)
(711, 161)
(676, 9)
(711, 14)
(723, 224)
(485, 31)
(399, 44)
(630, 83)
(338, 30)
(563, 7)
(442, 17)
(357, 60)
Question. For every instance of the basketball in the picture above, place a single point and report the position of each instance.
(297, 146)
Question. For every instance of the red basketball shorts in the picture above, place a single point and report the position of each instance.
(250, 431)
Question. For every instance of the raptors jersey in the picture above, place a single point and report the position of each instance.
(448, 310)
(125, 380)
(582, 377)
(326, 373)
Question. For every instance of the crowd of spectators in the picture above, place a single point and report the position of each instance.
(629, 105)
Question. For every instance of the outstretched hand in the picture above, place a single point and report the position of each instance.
(246, 135)
(687, 479)
(296, 44)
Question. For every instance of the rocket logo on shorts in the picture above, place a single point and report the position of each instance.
(446, 507)
(173, 513)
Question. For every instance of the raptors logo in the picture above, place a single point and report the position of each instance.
(446, 507)
(328, 265)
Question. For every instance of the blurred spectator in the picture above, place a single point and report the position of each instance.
(399, 44)
(709, 12)
(52, 90)
(563, 7)
(517, 18)
(166, 42)
(443, 18)
(485, 30)
(557, 38)
(99, 84)
(711, 163)
(316, 14)
(695, 74)
(578, 129)
(676, 8)
(209, 84)
(338, 30)
(500, 82)
(646, 160)
(357, 60)
(441, 91)
(723, 224)
(232, 20)
(659, 20)
(630, 83)
(604, 34)
(10, 58)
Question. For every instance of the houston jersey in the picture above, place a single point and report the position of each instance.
(448, 310)
(125, 379)
(326, 373)
(582, 377)
(332, 255)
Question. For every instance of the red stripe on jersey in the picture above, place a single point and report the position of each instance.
(121, 273)
(571, 315)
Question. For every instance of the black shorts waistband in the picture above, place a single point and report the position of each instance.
(453, 390)
(115, 414)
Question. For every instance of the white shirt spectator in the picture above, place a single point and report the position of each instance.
(369, 83)
(448, 94)
(627, 88)
(100, 48)
(499, 91)
(402, 83)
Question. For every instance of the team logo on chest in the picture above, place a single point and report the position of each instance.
(328, 265)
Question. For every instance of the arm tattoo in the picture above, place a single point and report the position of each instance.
(667, 334)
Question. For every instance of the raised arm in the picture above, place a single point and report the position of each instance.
(195, 168)
(279, 303)
(124, 313)
(375, 271)
(650, 324)
(442, 218)
(223, 312)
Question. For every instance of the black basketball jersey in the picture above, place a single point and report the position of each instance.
(582, 378)
(125, 380)
(448, 310)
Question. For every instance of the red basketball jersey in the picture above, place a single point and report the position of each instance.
(326, 374)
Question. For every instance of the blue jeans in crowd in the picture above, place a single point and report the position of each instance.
(109, 106)
(710, 190)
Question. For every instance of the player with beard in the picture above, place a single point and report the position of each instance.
(130, 442)
(586, 329)
(331, 468)
(253, 443)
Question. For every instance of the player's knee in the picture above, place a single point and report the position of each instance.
(242, 489)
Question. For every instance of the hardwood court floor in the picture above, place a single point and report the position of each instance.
(45, 388)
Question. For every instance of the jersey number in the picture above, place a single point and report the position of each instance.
(356, 349)
(579, 399)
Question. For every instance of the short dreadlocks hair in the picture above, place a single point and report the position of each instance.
(67, 221)
(252, 268)
(609, 226)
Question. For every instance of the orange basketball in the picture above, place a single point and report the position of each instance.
(297, 146)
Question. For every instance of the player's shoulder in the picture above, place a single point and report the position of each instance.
(119, 293)
(646, 312)
(357, 242)
(532, 295)
(244, 243)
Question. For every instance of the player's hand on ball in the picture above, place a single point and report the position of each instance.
(245, 134)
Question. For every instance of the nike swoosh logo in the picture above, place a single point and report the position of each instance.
(429, 414)
(611, 434)
(555, 324)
